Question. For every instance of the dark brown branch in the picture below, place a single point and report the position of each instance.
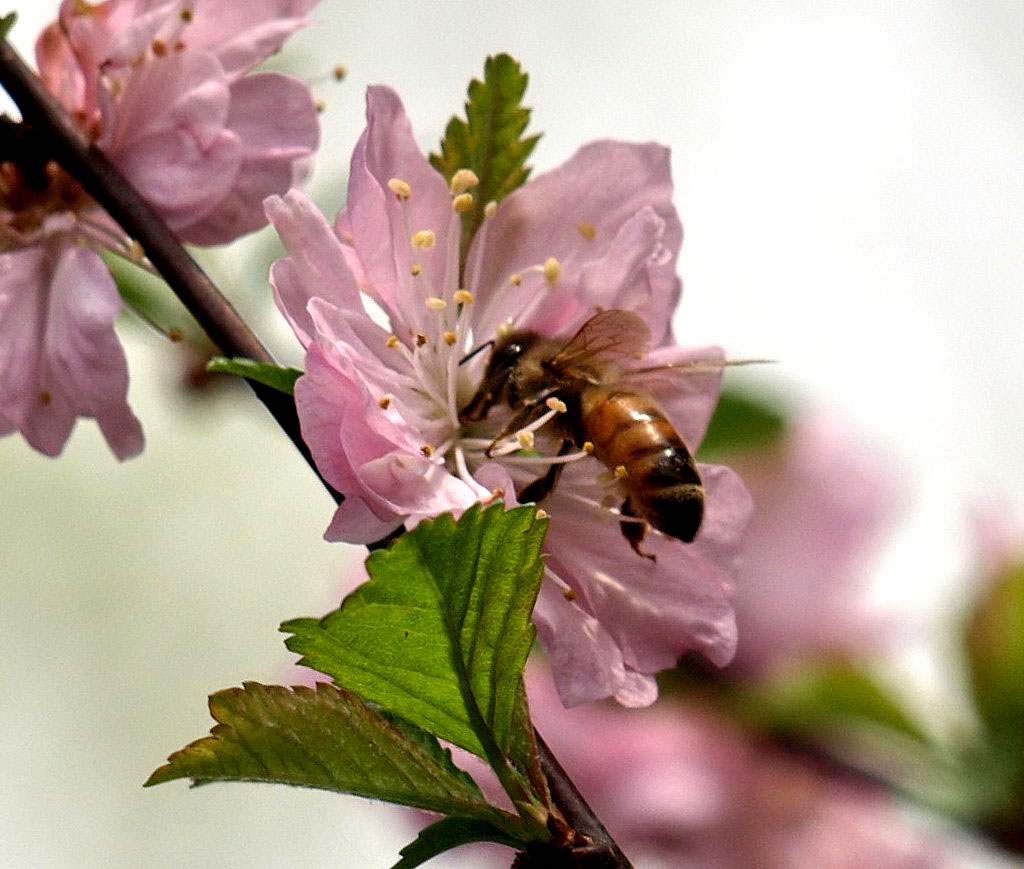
(222, 323)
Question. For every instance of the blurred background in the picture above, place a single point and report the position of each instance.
(851, 183)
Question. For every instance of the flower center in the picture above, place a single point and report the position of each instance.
(441, 344)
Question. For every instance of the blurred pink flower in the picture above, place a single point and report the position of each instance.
(379, 404)
(162, 88)
(822, 501)
(680, 786)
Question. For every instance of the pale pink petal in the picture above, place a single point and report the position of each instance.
(382, 226)
(316, 265)
(276, 146)
(61, 358)
(242, 35)
(574, 214)
(167, 133)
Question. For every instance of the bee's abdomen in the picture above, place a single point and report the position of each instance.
(631, 433)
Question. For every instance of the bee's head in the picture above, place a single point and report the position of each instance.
(500, 375)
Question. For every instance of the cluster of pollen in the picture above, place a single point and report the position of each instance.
(439, 337)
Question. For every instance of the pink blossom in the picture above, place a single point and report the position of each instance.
(678, 785)
(379, 404)
(164, 89)
(822, 501)
(59, 356)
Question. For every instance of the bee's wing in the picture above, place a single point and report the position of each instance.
(673, 370)
(608, 336)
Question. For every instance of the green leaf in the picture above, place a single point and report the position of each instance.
(441, 632)
(449, 833)
(994, 640)
(330, 739)
(741, 422)
(490, 140)
(275, 376)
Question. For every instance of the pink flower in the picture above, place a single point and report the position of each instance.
(379, 404)
(163, 88)
(59, 356)
(678, 785)
(822, 502)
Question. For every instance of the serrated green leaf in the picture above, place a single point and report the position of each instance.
(994, 640)
(275, 376)
(326, 738)
(449, 833)
(741, 422)
(442, 627)
(490, 140)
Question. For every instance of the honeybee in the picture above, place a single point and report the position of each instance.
(605, 407)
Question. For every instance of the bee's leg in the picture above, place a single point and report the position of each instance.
(634, 531)
(523, 417)
(542, 486)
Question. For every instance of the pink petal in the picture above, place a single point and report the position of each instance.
(242, 35)
(61, 358)
(600, 188)
(276, 122)
(316, 266)
(381, 225)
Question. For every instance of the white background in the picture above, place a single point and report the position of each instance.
(851, 185)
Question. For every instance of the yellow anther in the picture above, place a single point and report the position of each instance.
(462, 181)
(541, 513)
(497, 493)
(427, 450)
(526, 440)
(384, 402)
(435, 304)
(416, 269)
(392, 341)
(556, 404)
(516, 279)
(463, 297)
(463, 202)
(490, 208)
(588, 447)
(400, 188)
(587, 230)
(339, 72)
(552, 270)
(569, 595)
(424, 239)
(450, 338)
(620, 472)
(320, 106)
(503, 329)
(136, 251)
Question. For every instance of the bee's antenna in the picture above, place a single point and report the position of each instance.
(473, 352)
